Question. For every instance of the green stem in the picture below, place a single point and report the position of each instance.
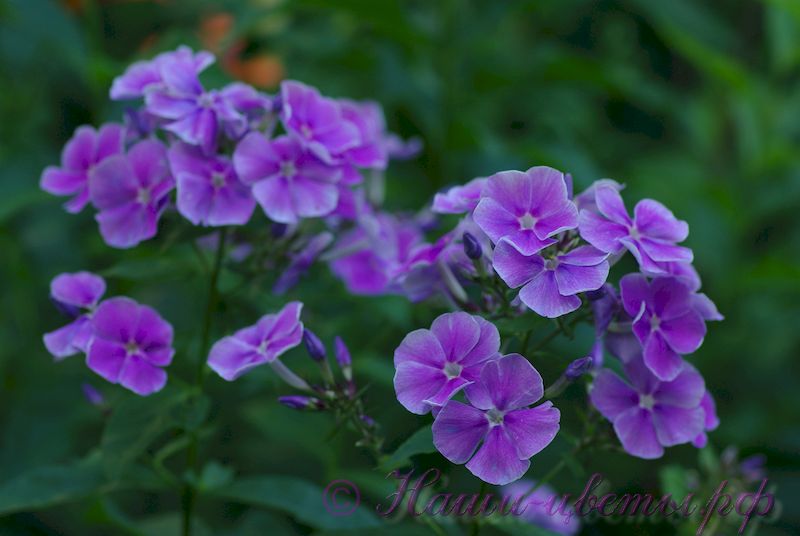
(189, 495)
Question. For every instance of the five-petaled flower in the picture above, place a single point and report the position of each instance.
(497, 433)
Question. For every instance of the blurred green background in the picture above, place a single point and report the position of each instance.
(693, 103)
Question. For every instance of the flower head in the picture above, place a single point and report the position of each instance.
(130, 346)
(78, 295)
(526, 208)
(434, 364)
(550, 286)
(650, 414)
(209, 192)
(148, 75)
(497, 433)
(264, 342)
(651, 235)
(130, 192)
(287, 181)
(317, 122)
(666, 321)
(87, 148)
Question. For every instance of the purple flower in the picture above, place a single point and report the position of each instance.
(665, 321)
(526, 209)
(605, 307)
(368, 119)
(288, 182)
(550, 286)
(261, 343)
(74, 293)
(301, 261)
(131, 345)
(209, 192)
(147, 75)
(130, 192)
(543, 508)
(399, 149)
(459, 199)
(87, 148)
(586, 201)
(650, 236)
(499, 419)
(255, 109)
(434, 364)
(710, 421)
(649, 414)
(316, 121)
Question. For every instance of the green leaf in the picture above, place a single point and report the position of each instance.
(50, 486)
(420, 442)
(135, 424)
(214, 475)
(301, 499)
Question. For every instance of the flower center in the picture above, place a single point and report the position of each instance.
(132, 348)
(495, 417)
(452, 370)
(288, 169)
(527, 221)
(551, 264)
(262, 348)
(143, 196)
(206, 100)
(634, 233)
(217, 180)
(306, 131)
(646, 401)
(655, 322)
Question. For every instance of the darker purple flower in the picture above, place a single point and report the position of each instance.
(130, 192)
(317, 122)
(209, 192)
(666, 321)
(288, 182)
(434, 364)
(264, 342)
(649, 414)
(300, 402)
(131, 345)
(301, 261)
(543, 508)
(497, 434)
(710, 422)
(526, 208)
(550, 286)
(78, 294)
(459, 199)
(147, 75)
(651, 235)
(85, 150)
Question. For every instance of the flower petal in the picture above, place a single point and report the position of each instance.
(612, 396)
(514, 268)
(543, 297)
(458, 333)
(636, 432)
(457, 430)
(662, 360)
(415, 383)
(675, 425)
(508, 383)
(142, 377)
(657, 221)
(531, 430)
(497, 461)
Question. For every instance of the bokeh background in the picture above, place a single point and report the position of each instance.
(694, 103)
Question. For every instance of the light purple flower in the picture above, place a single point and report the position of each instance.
(526, 208)
(300, 261)
(665, 321)
(459, 199)
(264, 342)
(77, 294)
(368, 119)
(550, 286)
(130, 192)
(499, 420)
(586, 200)
(147, 75)
(710, 422)
(316, 121)
(209, 192)
(434, 364)
(288, 182)
(543, 508)
(87, 148)
(651, 235)
(649, 414)
(131, 345)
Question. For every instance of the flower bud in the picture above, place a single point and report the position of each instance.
(301, 402)
(278, 229)
(343, 358)
(472, 248)
(314, 346)
(578, 368)
(94, 396)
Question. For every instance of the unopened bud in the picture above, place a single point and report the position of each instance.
(578, 368)
(314, 346)
(472, 248)
(343, 358)
(301, 402)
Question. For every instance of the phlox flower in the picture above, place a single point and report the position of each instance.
(459, 199)
(87, 148)
(543, 508)
(148, 75)
(130, 192)
(77, 295)
(497, 433)
(131, 344)
(368, 118)
(434, 364)
(650, 414)
(526, 208)
(710, 421)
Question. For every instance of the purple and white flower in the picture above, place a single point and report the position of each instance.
(77, 295)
